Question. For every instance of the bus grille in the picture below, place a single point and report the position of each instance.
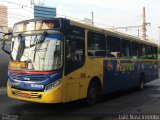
(32, 95)
(28, 77)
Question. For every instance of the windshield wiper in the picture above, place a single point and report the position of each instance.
(21, 47)
(39, 42)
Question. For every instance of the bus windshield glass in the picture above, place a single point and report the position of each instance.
(39, 51)
(36, 25)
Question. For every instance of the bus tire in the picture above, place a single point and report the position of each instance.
(141, 82)
(93, 92)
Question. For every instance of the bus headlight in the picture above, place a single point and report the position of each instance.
(52, 85)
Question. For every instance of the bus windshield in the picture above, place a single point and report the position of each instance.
(39, 51)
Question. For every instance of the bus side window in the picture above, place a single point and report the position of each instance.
(125, 48)
(113, 46)
(149, 52)
(74, 49)
(154, 52)
(135, 50)
(96, 44)
(142, 51)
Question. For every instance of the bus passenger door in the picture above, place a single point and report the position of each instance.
(74, 63)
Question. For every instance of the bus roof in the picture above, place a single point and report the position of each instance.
(115, 33)
(101, 30)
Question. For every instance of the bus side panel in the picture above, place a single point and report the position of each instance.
(150, 70)
(124, 74)
(120, 74)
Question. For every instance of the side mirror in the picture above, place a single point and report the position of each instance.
(5, 46)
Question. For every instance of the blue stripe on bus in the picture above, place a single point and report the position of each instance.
(33, 83)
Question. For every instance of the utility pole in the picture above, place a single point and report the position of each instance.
(144, 24)
(138, 32)
(92, 14)
(159, 46)
(159, 33)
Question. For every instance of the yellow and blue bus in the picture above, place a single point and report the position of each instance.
(59, 60)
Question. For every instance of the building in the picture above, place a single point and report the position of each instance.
(3, 20)
(44, 12)
(23, 10)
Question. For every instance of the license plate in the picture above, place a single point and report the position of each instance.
(25, 95)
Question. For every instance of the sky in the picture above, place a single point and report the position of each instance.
(113, 13)
(107, 13)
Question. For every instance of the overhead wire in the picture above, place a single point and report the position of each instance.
(16, 3)
(25, 6)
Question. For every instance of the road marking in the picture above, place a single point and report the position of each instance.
(3, 90)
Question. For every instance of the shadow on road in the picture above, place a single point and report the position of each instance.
(4, 59)
(38, 111)
(130, 101)
(65, 108)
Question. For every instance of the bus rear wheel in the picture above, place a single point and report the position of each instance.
(141, 82)
(93, 93)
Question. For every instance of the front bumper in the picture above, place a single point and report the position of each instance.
(53, 96)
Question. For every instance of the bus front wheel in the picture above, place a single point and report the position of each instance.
(93, 93)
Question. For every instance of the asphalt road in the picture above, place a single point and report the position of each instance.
(114, 106)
